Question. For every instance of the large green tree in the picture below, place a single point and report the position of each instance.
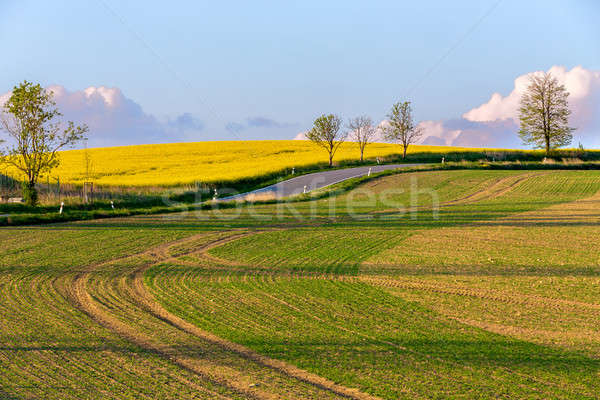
(326, 133)
(35, 134)
(544, 114)
(401, 127)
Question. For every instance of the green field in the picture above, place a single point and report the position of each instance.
(455, 284)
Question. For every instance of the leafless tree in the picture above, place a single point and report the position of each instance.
(401, 127)
(362, 131)
(88, 164)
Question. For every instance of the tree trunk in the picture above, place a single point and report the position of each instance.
(361, 155)
(330, 160)
(30, 195)
(547, 145)
(403, 152)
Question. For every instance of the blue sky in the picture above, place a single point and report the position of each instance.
(225, 62)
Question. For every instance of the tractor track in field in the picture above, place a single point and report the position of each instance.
(131, 285)
(84, 301)
(484, 294)
(147, 300)
(66, 367)
(511, 330)
(496, 189)
(89, 305)
(497, 296)
(204, 254)
(528, 379)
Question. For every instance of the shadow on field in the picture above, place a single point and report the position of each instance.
(503, 351)
(354, 269)
(514, 363)
(499, 352)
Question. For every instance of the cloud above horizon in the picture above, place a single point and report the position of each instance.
(186, 122)
(256, 122)
(114, 119)
(456, 132)
(495, 123)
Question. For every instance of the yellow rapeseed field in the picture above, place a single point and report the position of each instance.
(175, 164)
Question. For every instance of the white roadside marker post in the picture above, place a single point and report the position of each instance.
(443, 160)
(304, 189)
(215, 195)
(369, 174)
(378, 160)
(112, 204)
(293, 170)
(62, 204)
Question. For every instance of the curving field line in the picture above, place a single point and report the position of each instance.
(583, 310)
(140, 292)
(125, 291)
(71, 368)
(424, 367)
(497, 188)
(534, 383)
(486, 294)
(466, 291)
(78, 292)
(537, 383)
(203, 254)
(113, 294)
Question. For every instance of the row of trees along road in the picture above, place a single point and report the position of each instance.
(328, 132)
(543, 115)
(36, 133)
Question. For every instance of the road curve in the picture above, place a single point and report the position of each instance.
(315, 180)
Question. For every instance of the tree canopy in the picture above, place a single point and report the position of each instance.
(401, 127)
(30, 118)
(544, 114)
(326, 134)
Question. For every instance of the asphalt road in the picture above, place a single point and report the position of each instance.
(316, 180)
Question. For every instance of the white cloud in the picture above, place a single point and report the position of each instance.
(4, 98)
(495, 123)
(435, 133)
(582, 84)
(301, 136)
(114, 119)
(465, 133)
